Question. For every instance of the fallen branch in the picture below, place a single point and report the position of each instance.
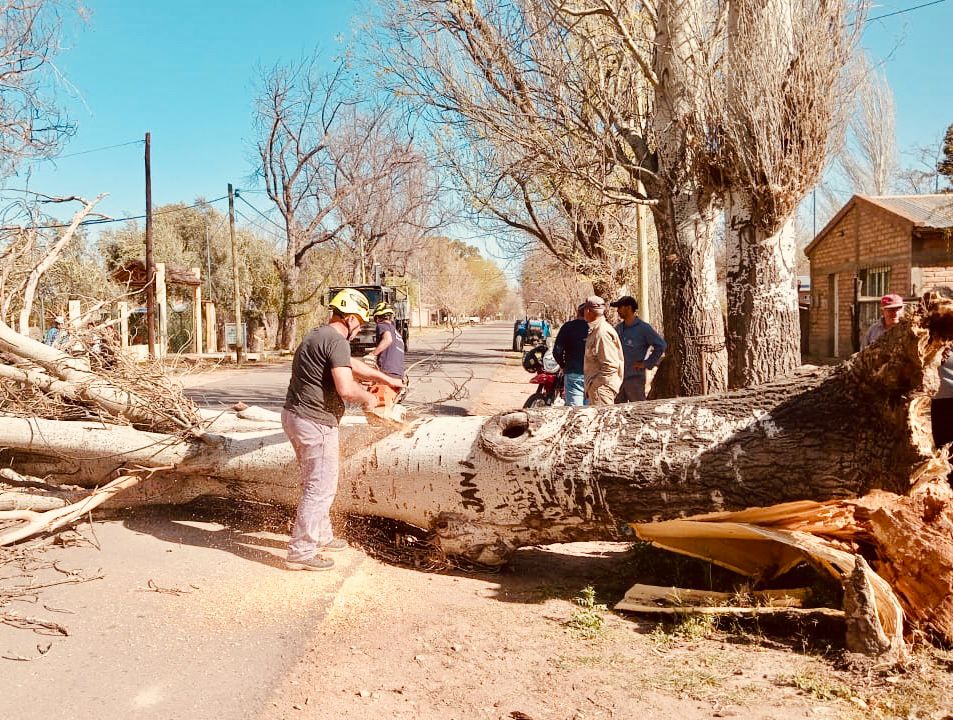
(33, 523)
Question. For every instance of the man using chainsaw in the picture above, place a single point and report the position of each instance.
(323, 376)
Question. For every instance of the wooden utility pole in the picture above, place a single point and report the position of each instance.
(643, 249)
(150, 261)
(239, 340)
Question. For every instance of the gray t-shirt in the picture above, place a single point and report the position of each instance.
(311, 392)
(391, 361)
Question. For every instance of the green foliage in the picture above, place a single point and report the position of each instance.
(690, 626)
(199, 237)
(587, 620)
(945, 166)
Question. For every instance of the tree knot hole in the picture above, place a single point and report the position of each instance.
(514, 425)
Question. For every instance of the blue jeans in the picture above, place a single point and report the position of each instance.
(575, 389)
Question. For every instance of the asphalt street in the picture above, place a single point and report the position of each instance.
(446, 369)
(187, 612)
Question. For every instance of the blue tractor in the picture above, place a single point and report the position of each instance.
(531, 332)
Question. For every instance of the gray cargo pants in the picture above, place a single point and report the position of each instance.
(632, 390)
(316, 447)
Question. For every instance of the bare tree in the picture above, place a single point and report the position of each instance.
(924, 176)
(447, 282)
(668, 42)
(31, 124)
(545, 280)
(301, 118)
(397, 200)
(868, 161)
(778, 103)
(511, 97)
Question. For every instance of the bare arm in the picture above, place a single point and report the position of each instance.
(362, 371)
(348, 389)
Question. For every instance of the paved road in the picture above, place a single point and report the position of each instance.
(447, 372)
(194, 616)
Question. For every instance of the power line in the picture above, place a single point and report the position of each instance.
(905, 10)
(238, 195)
(107, 221)
(267, 231)
(91, 150)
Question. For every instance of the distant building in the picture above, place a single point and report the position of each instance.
(873, 246)
(803, 289)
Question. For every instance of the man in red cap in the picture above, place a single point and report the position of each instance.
(891, 310)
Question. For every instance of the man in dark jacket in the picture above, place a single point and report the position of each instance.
(569, 351)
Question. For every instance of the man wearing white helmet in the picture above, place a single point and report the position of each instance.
(322, 378)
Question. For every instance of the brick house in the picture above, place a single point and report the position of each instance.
(873, 246)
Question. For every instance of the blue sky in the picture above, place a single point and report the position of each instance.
(916, 52)
(186, 72)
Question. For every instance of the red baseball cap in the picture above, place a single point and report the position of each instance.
(891, 301)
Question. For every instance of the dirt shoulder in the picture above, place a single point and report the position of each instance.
(406, 643)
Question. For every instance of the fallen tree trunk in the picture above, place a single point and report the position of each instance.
(489, 486)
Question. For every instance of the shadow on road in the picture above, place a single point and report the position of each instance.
(237, 525)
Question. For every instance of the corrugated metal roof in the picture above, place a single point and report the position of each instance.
(931, 211)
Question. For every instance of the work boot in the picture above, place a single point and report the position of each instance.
(334, 545)
(318, 562)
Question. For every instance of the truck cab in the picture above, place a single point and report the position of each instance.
(395, 297)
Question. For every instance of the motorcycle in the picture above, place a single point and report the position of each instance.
(547, 376)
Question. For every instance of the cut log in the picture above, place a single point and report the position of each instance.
(28, 523)
(72, 377)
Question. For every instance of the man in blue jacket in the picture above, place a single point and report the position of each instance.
(637, 337)
(569, 351)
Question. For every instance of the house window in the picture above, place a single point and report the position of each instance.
(876, 281)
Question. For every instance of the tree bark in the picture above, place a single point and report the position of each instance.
(695, 362)
(527, 477)
(764, 333)
(489, 486)
(288, 318)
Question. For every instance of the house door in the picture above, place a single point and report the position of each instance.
(833, 315)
